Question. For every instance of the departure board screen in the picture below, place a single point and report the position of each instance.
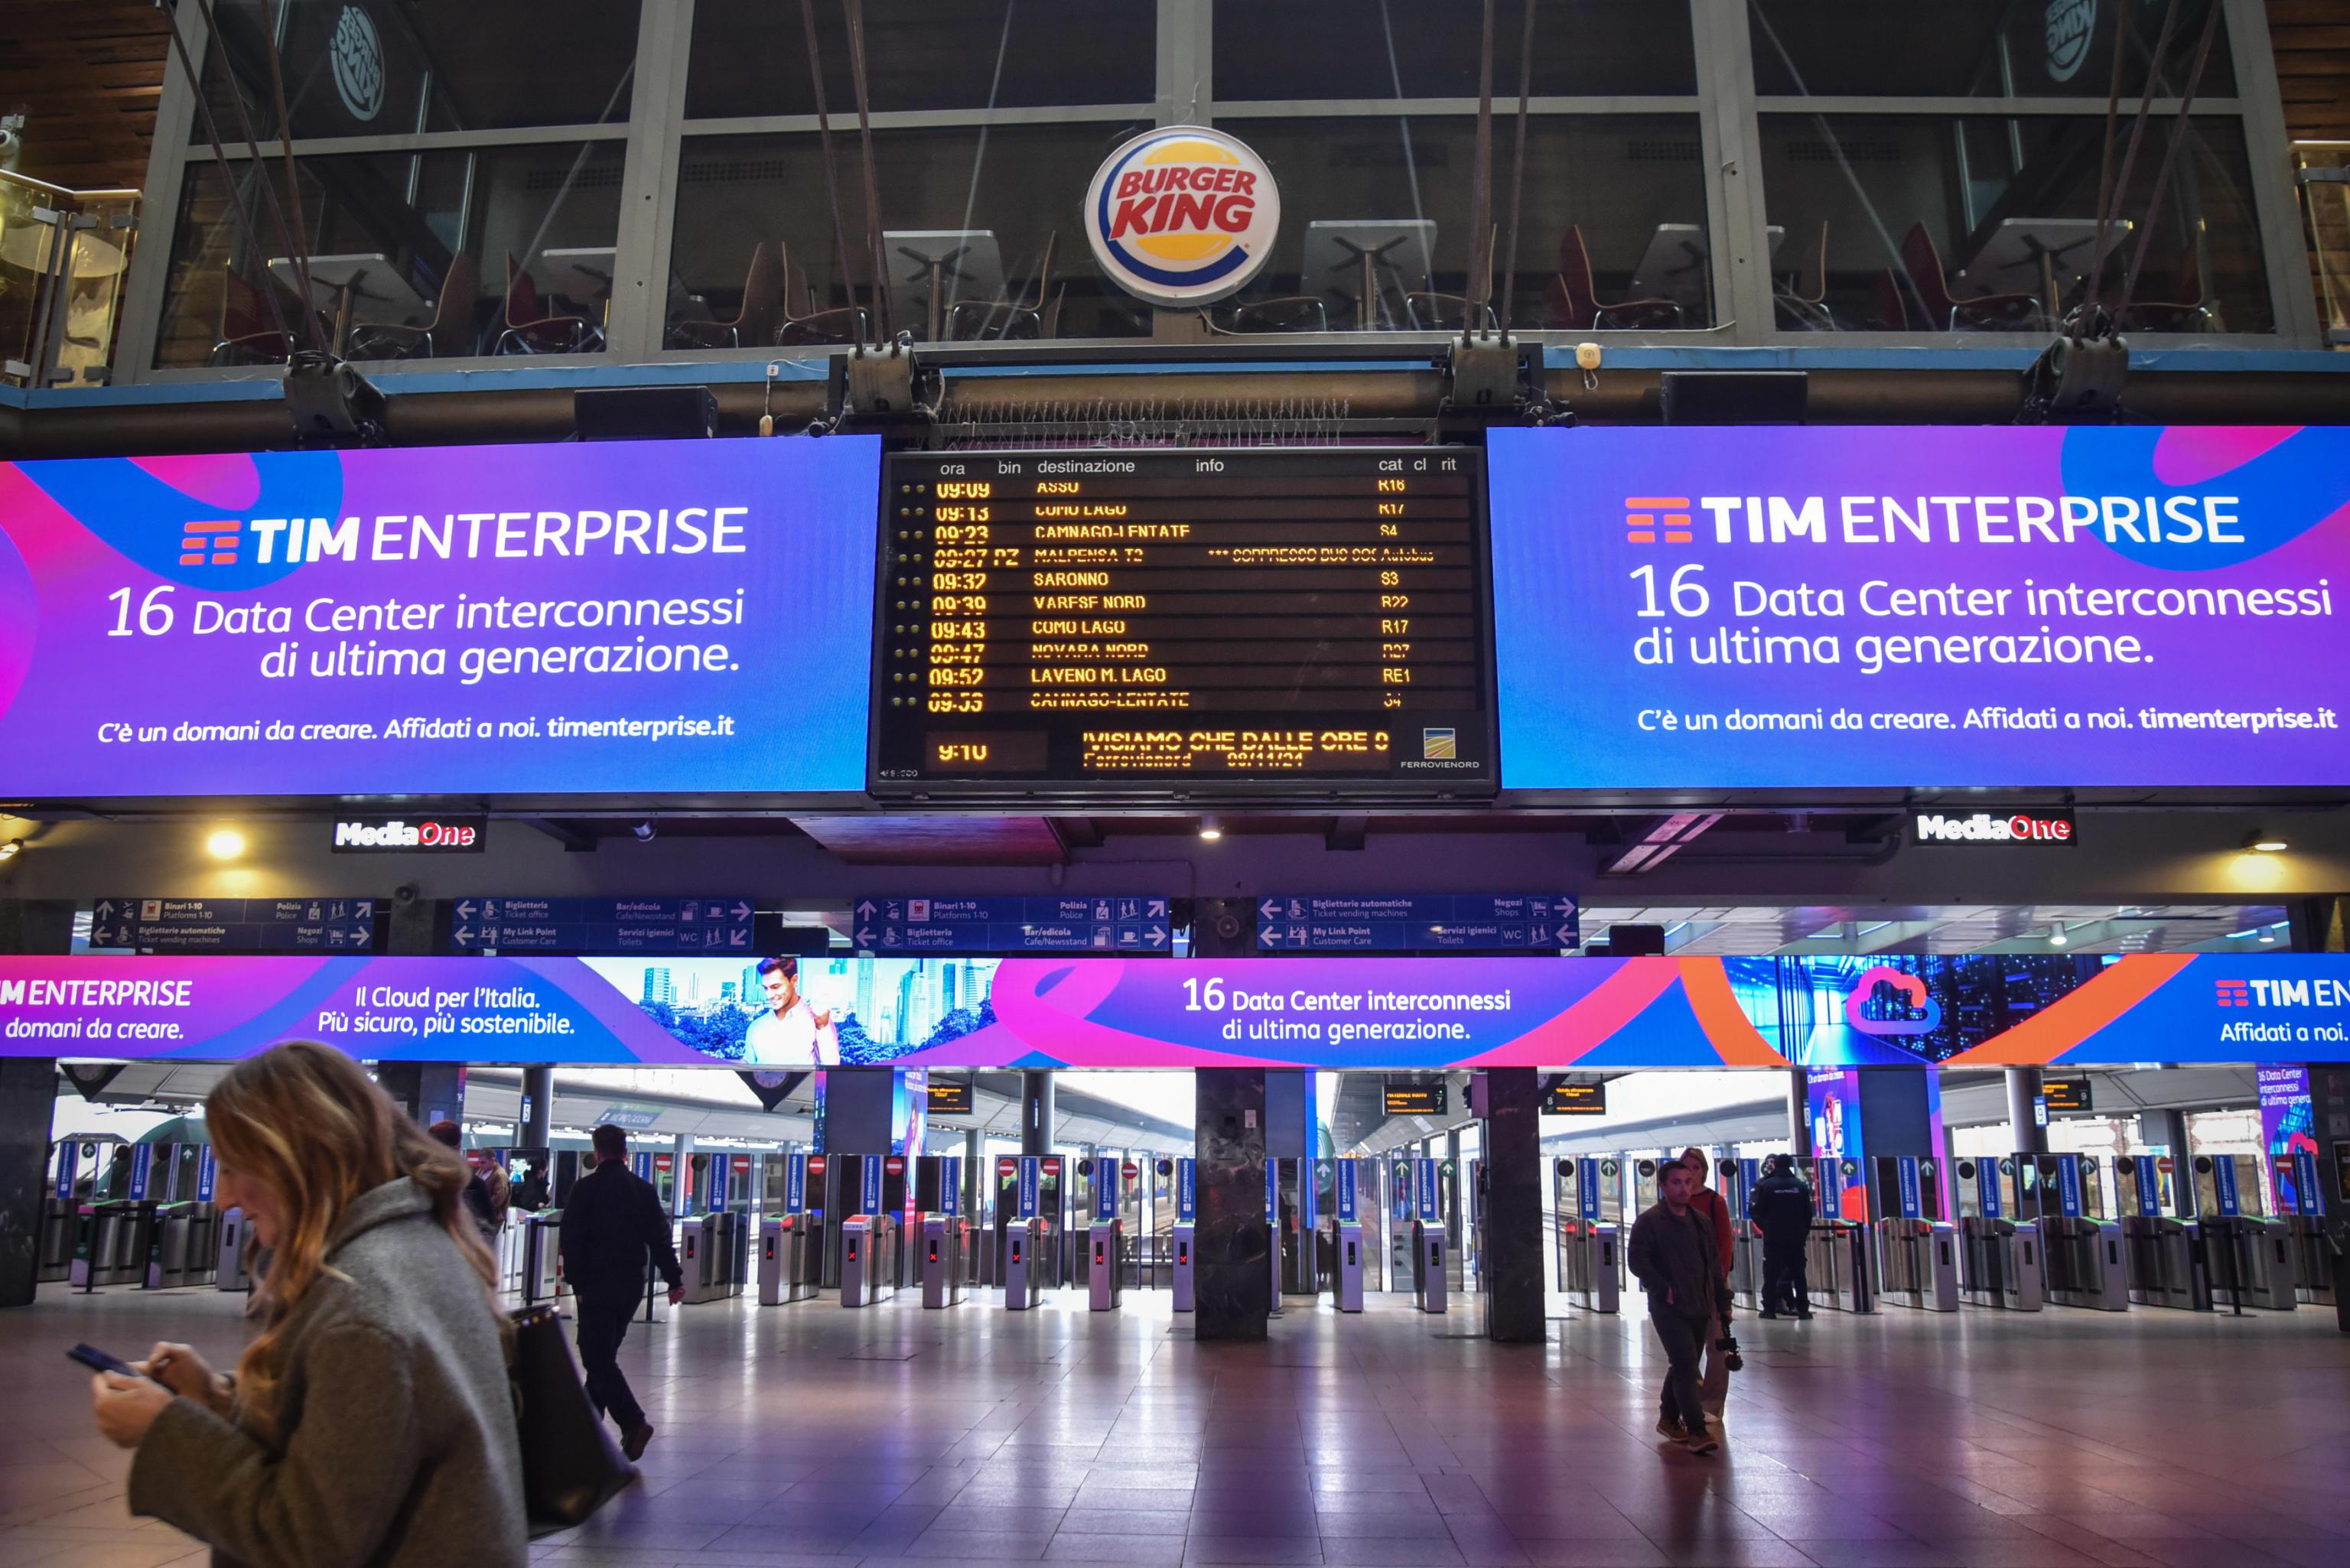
(1141, 622)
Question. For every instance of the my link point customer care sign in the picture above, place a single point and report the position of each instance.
(627, 617)
(1773, 608)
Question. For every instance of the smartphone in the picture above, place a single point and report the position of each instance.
(99, 1361)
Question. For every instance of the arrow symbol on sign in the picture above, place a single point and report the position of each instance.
(1158, 908)
(865, 937)
(362, 936)
(106, 908)
(366, 909)
(1268, 909)
(1157, 936)
(742, 910)
(465, 910)
(865, 910)
(738, 938)
(464, 933)
(1269, 937)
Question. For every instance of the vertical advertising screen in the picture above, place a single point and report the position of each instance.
(1822, 607)
(631, 617)
(2288, 1134)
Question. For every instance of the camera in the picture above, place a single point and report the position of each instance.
(1728, 1345)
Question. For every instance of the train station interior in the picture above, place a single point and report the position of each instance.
(1286, 781)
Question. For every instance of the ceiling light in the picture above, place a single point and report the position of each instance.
(1211, 828)
(2266, 843)
(10, 850)
(225, 844)
(2268, 936)
(2056, 938)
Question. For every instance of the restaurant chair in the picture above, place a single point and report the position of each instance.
(1429, 311)
(1575, 302)
(969, 320)
(1281, 313)
(802, 323)
(1922, 260)
(246, 338)
(450, 334)
(1801, 303)
(529, 328)
(755, 323)
(2186, 308)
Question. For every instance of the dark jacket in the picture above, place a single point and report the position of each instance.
(1674, 1258)
(1781, 1208)
(395, 1416)
(1716, 1209)
(611, 1227)
(478, 1204)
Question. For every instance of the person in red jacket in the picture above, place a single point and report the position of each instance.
(1714, 1389)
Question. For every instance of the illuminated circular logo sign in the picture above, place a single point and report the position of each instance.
(1183, 216)
(356, 53)
(2071, 25)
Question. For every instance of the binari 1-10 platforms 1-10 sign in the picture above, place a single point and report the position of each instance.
(624, 619)
(1817, 608)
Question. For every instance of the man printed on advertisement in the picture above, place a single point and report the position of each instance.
(791, 1032)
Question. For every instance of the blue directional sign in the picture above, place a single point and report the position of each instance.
(795, 1184)
(1464, 922)
(718, 927)
(233, 924)
(1137, 926)
(1187, 1190)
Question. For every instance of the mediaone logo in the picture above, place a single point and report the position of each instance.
(430, 835)
(1996, 827)
(356, 56)
(1183, 216)
(2071, 25)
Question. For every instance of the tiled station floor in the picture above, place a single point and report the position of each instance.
(813, 1435)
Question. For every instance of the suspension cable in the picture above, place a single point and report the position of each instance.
(2169, 157)
(2108, 217)
(1517, 176)
(291, 241)
(831, 178)
(228, 179)
(855, 11)
(1481, 190)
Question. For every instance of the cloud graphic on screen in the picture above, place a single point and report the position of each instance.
(1912, 987)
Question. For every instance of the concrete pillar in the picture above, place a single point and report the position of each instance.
(1512, 1303)
(28, 1100)
(538, 1094)
(1036, 1119)
(428, 1091)
(2170, 1129)
(1799, 1115)
(1231, 1241)
(2024, 1131)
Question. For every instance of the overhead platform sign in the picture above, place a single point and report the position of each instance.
(232, 925)
(1417, 1014)
(1370, 923)
(624, 619)
(1136, 925)
(1830, 608)
(603, 925)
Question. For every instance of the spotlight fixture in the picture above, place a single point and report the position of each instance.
(2056, 937)
(225, 844)
(646, 831)
(1211, 828)
(10, 850)
(2265, 843)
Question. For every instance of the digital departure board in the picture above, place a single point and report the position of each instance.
(2069, 1093)
(1413, 1099)
(950, 1097)
(1576, 1100)
(1174, 621)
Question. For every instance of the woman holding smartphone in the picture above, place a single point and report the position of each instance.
(370, 1420)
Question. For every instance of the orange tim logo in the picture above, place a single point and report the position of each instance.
(214, 543)
(1642, 513)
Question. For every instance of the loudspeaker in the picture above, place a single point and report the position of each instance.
(1735, 397)
(644, 414)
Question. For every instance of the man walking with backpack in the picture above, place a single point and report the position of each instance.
(1673, 1254)
(611, 1229)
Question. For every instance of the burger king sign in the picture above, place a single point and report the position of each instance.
(1183, 216)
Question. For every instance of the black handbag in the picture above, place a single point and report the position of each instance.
(570, 1465)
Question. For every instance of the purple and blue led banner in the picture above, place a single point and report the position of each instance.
(633, 618)
(1824, 608)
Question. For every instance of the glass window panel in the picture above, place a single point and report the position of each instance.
(1270, 50)
(1629, 188)
(379, 67)
(1016, 187)
(1922, 214)
(750, 56)
(391, 226)
(1978, 48)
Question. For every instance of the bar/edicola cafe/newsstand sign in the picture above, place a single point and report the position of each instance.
(2041, 828)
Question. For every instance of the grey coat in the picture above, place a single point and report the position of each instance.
(398, 1445)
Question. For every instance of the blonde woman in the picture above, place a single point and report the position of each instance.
(370, 1420)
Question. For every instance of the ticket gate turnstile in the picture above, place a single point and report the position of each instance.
(1350, 1266)
(2160, 1258)
(942, 1262)
(1103, 1239)
(1022, 1239)
(182, 1251)
(1182, 1276)
(1736, 1179)
(867, 1259)
(697, 1239)
(541, 1266)
(787, 1269)
(1430, 1266)
(2081, 1253)
(1917, 1253)
(229, 1270)
(1999, 1258)
(2250, 1261)
(1837, 1254)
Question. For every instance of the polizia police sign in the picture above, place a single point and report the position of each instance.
(1183, 216)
